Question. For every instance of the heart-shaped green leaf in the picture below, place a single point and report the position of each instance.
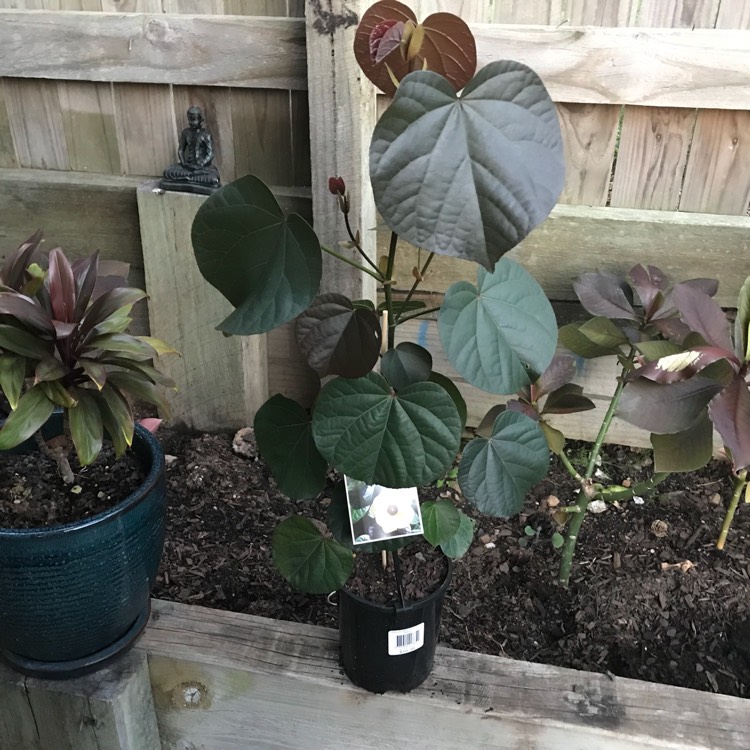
(337, 338)
(406, 364)
(440, 521)
(468, 177)
(284, 434)
(458, 545)
(369, 432)
(502, 334)
(496, 473)
(266, 264)
(308, 560)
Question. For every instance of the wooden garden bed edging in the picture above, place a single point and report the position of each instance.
(222, 680)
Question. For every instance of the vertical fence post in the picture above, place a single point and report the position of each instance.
(112, 708)
(221, 381)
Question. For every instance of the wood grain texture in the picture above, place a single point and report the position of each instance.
(546, 12)
(589, 137)
(601, 12)
(575, 239)
(680, 14)
(221, 381)
(147, 130)
(194, 7)
(717, 178)
(733, 14)
(112, 708)
(657, 67)
(268, 683)
(262, 127)
(157, 48)
(7, 149)
(341, 124)
(132, 6)
(651, 159)
(88, 116)
(36, 124)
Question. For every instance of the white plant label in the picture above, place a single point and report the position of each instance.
(405, 641)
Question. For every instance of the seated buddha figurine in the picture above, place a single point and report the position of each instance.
(194, 173)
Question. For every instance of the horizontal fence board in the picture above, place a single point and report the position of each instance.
(656, 67)
(229, 681)
(576, 239)
(142, 48)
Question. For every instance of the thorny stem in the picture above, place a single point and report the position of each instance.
(740, 481)
(388, 289)
(356, 244)
(375, 274)
(588, 491)
(422, 272)
(58, 455)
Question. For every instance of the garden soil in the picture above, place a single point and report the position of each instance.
(650, 598)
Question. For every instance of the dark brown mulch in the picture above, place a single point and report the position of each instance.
(631, 610)
(32, 494)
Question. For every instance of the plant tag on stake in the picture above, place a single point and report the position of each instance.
(377, 513)
(405, 641)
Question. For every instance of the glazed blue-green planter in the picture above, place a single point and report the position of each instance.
(74, 596)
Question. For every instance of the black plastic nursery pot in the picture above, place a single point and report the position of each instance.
(390, 647)
(74, 596)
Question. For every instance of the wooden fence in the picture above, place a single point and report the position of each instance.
(653, 96)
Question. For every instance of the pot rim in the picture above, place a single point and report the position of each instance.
(142, 492)
(394, 606)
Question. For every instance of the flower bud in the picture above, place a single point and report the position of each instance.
(336, 185)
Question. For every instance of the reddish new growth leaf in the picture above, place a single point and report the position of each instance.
(384, 38)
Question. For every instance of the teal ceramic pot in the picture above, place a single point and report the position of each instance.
(74, 596)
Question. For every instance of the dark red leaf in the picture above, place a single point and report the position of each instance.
(385, 37)
(61, 286)
(85, 272)
(649, 284)
(703, 315)
(681, 366)
(604, 294)
(26, 311)
(568, 399)
(560, 371)
(730, 413)
(13, 271)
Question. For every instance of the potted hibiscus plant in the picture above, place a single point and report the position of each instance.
(77, 559)
(462, 164)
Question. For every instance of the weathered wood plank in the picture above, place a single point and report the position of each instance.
(576, 239)
(160, 48)
(262, 127)
(132, 6)
(221, 381)
(147, 130)
(678, 13)
(546, 12)
(589, 137)
(278, 684)
(717, 178)
(36, 124)
(654, 145)
(7, 149)
(112, 708)
(88, 116)
(657, 67)
(733, 15)
(194, 7)
(602, 12)
(340, 128)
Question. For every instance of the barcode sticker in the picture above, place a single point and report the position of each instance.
(405, 641)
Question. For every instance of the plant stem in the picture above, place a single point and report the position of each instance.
(414, 286)
(356, 244)
(399, 576)
(740, 481)
(569, 466)
(417, 314)
(588, 492)
(388, 289)
(375, 274)
(58, 455)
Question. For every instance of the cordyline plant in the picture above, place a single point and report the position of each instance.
(467, 175)
(63, 345)
(680, 377)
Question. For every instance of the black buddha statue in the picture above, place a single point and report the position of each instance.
(194, 173)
